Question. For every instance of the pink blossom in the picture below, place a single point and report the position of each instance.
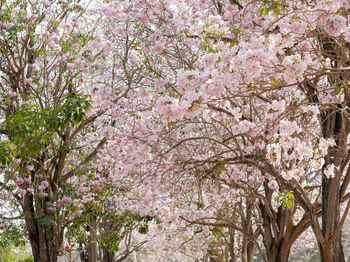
(213, 88)
(83, 189)
(273, 185)
(278, 106)
(146, 202)
(22, 191)
(96, 186)
(208, 60)
(295, 68)
(108, 132)
(347, 36)
(160, 227)
(158, 48)
(44, 184)
(324, 144)
(28, 81)
(68, 26)
(274, 153)
(34, 17)
(63, 201)
(134, 59)
(288, 128)
(51, 209)
(19, 181)
(335, 25)
(142, 18)
(115, 113)
(159, 83)
(70, 66)
(298, 27)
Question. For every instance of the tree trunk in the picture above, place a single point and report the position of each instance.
(45, 241)
(92, 241)
(335, 124)
(279, 233)
(108, 256)
(232, 246)
(247, 244)
(250, 252)
(333, 253)
(279, 253)
(82, 253)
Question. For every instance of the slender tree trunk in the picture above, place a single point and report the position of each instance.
(278, 231)
(333, 249)
(336, 126)
(279, 252)
(108, 256)
(82, 253)
(232, 246)
(92, 241)
(250, 252)
(247, 246)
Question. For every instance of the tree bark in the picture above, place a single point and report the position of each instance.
(232, 246)
(333, 253)
(250, 252)
(335, 126)
(92, 241)
(279, 252)
(278, 233)
(247, 245)
(108, 256)
(45, 241)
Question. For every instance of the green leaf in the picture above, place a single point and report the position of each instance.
(285, 199)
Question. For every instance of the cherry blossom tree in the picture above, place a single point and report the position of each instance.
(252, 95)
(49, 65)
(224, 121)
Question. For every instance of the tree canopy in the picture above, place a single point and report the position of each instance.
(190, 130)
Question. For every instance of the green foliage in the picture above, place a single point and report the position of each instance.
(44, 220)
(340, 87)
(12, 254)
(31, 127)
(74, 108)
(113, 228)
(7, 155)
(271, 6)
(207, 47)
(217, 240)
(218, 170)
(210, 36)
(13, 236)
(286, 199)
(28, 258)
(121, 223)
(170, 124)
(14, 12)
(77, 38)
(111, 240)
